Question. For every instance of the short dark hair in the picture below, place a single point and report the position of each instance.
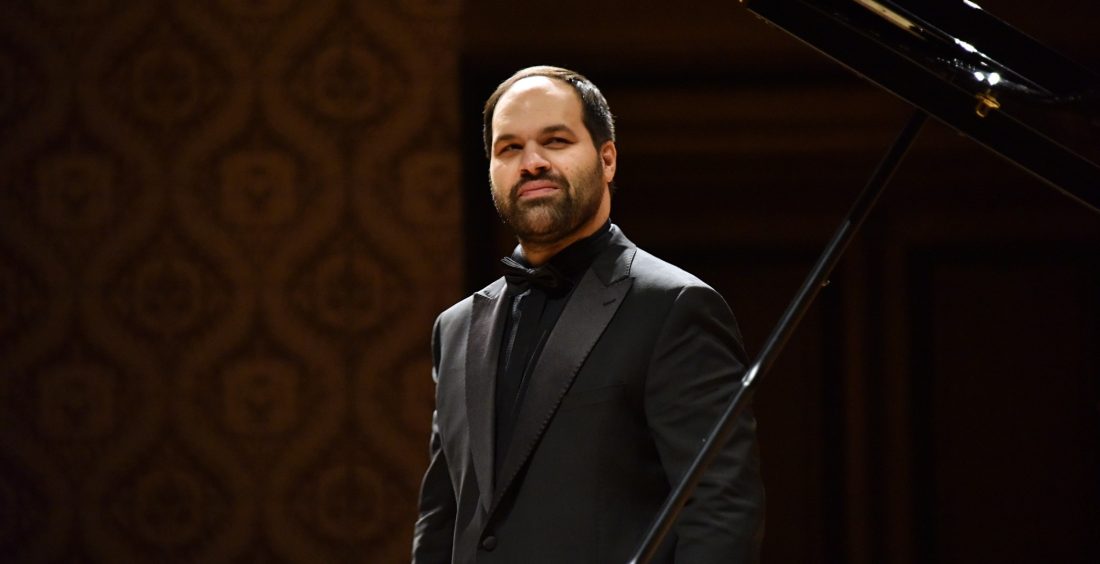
(597, 116)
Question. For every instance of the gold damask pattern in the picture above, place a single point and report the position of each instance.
(225, 229)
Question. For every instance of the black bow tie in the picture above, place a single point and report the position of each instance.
(546, 276)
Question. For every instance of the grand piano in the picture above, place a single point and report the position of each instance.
(956, 63)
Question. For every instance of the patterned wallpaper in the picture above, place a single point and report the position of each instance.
(225, 229)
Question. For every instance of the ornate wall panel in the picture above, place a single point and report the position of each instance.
(225, 229)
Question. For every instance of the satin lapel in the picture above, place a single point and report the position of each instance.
(582, 322)
(482, 352)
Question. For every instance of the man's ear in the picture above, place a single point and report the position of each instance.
(608, 156)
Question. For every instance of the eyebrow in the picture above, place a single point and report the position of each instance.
(548, 129)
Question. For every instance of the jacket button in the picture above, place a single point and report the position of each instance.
(489, 542)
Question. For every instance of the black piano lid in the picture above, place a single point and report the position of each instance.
(969, 70)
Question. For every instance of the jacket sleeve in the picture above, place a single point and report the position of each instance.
(434, 530)
(695, 369)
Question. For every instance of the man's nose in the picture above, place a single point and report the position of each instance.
(533, 162)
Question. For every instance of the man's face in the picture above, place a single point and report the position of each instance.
(546, 176)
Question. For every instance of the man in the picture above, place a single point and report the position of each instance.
(573, 393)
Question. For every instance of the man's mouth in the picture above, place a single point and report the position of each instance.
(536, 189)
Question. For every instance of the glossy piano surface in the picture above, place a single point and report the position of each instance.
(969, 69)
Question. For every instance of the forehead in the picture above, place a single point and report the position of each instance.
(535, 102)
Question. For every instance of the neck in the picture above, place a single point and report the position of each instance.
(538, 253)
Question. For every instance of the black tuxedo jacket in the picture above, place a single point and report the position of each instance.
(640, 365)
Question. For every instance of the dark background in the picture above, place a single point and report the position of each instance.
(227, 225)
(941, 401)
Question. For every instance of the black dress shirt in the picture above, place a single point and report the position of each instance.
(533, 313)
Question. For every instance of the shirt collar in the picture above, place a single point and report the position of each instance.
(575, 259)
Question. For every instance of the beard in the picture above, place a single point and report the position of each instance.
(551, 219)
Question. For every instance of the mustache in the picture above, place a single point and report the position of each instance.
(557, 179)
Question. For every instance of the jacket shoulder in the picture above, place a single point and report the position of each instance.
(655, 274)
(460, 311)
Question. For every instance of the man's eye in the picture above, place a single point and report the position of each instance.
(558, 141)
(509, 147)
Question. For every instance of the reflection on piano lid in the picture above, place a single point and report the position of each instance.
(971, 71)
(962, 38)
